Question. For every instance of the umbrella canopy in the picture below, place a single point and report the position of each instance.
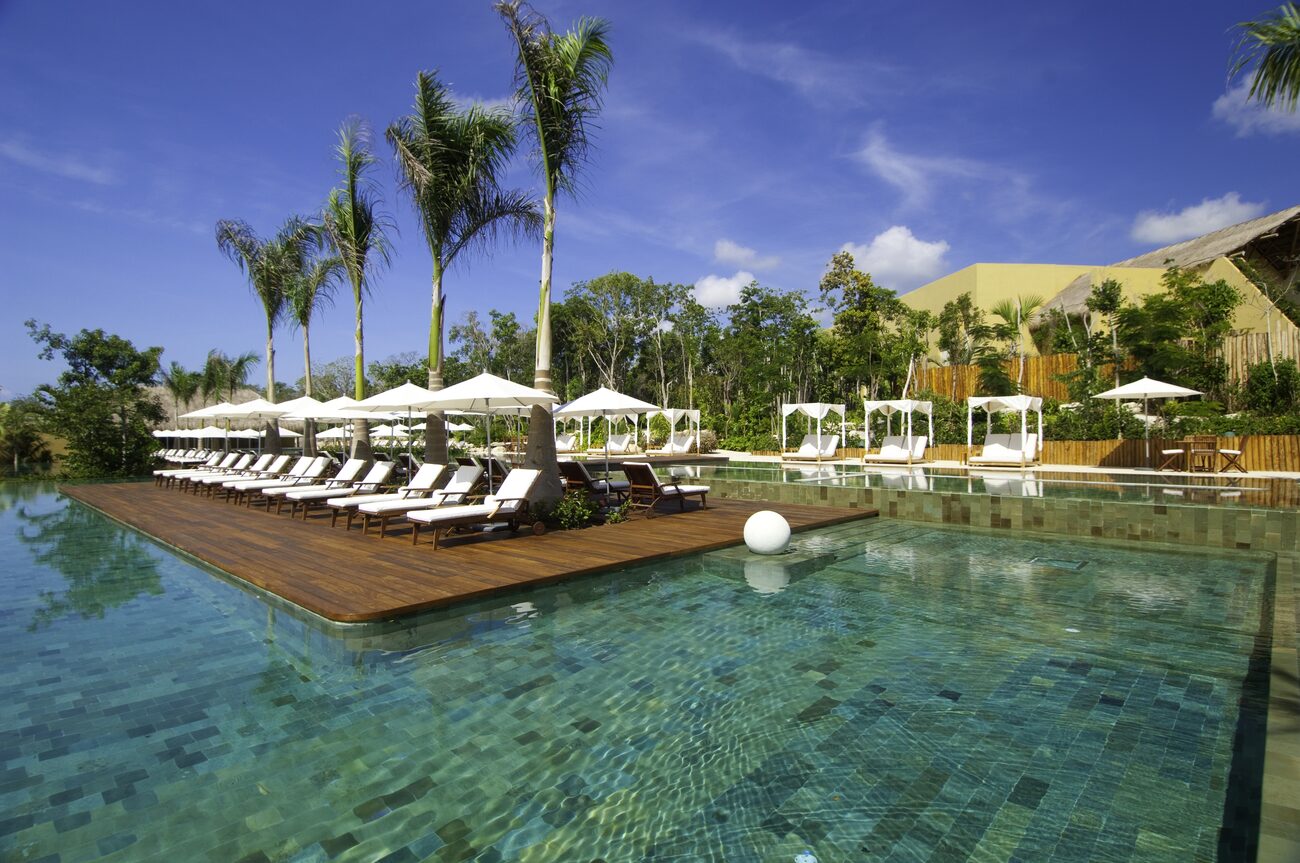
(255, 410)
(486, 393)
(389, 431)
(1147, 389)
(489, 394)
(609, 404)
(301, 407)
(339, 433)
(206, 431)
(209, 412)
(605, 402)
(407, 397)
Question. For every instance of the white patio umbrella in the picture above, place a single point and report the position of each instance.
(408, 398)
(609, 404)
(1147, 389)
(487, 394)
(209, 412)
(337, 433)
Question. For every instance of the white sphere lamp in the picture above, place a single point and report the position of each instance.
(767, 532)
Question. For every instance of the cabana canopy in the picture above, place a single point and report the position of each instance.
(890, 407)
(1020, 404)
(814, 410)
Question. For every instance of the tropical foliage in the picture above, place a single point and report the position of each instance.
(1271, 47)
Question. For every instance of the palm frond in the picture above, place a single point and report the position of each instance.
(1272, 46)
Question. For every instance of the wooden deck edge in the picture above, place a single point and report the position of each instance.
(303, 603)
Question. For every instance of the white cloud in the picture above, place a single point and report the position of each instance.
(727, 252)
(1250, 118)
(913, 175)
(61, 165)
(715, 292)
(1209, 215)
(896, 259)
(463, 101)
(816, 76)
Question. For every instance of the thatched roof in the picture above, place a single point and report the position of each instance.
(1216, 244)
(1269, 237)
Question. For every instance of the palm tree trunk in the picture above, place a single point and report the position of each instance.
(1114, 348)
(308, 426)
(541, 427)
(272, 442)
(435, 425)
(360, 428)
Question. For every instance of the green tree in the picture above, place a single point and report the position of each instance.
(21, 439)
(1107, 298)
(875, 333)
(1272, 46)
(223, 375)
(181, 385)
(561, 77)
(308, 290)
(356, 231)
(451, 162)
(963, 335)
(1016, 314)
(611, 319)
(101, 404)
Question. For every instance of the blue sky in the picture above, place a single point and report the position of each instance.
(738, 140)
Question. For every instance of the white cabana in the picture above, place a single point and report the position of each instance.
(609, 404)
(674, 415)
(1147, 389)
(1020, 404)
(899, 406)
(814, 411)
(488, 394)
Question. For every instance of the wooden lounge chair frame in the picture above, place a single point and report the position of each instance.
(446, 526)
(645, 490)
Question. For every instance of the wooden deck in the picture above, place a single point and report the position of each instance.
(349, 578)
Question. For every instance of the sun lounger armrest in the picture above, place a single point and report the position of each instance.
(497, 504)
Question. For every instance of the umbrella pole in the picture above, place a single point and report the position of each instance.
(1146, 426)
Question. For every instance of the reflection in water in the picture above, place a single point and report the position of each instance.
(104, 566)
(766, 575)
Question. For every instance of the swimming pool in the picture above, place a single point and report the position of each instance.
(1233, 490)
(888, 690)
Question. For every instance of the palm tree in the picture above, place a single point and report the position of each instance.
(306, 293)
(450, 163)
(1272, 46)
(561, 76)
(1016, 315)
(181, 385)
(223, 373)
(355, 230)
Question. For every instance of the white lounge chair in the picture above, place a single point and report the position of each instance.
(508, 506)
(619, 444)
(1008, 450)
(256, 469)
(645, 489)
(678, 444)
(565, 443)
(424, 481)
(897, 449)
(316, 495)
(454, 493)
(305, 471)
(814, 448)
(347, 475)
(160, 475)
(197, 479)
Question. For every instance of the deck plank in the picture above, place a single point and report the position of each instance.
(349, 578)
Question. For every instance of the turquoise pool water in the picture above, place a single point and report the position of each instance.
(887, 691)
(1169, 488)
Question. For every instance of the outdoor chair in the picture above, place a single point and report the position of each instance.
(576, 476)
(645, 490)
(1172, 458)
(677, 444)
(347, 474)
(210, 484)
(509, 506)
(1232, 459)
(418, 488)
(305, 470)
(454, 493)
(316, 495)
(814, 448)
(619, 444)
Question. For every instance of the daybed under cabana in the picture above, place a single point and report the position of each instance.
(1004, 450)
(899, 449)
(814, 447)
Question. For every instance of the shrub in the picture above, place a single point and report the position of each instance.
(1269, 394)
(574, 510)
(708, 441)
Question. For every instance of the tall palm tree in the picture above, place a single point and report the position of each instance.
(307, 292)
(356, 231)
(1272, 46)
(561, 77)
(226, 374)
(451, 162)
(181, 384)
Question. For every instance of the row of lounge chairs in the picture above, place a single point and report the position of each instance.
(357, 490)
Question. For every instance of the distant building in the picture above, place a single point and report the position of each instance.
(1271, 243)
